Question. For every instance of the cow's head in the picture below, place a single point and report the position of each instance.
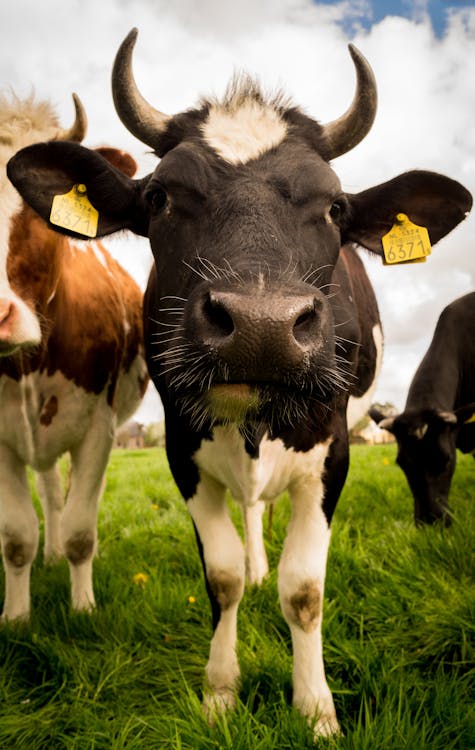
(30, 253)
(246, 219)
(23, 122)
(427, 441)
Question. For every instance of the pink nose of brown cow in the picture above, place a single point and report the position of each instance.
(6, 313)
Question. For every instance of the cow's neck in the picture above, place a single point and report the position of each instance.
(436, 387)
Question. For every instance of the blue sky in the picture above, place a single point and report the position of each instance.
(373, 11)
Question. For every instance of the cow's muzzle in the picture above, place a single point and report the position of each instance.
(260, 337)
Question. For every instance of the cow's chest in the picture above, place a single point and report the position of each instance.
(249, 479)
(43, 416)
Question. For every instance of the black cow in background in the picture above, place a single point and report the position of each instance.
(260, 322)
(439, 415)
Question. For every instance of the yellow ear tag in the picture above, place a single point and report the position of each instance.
(470, 419)
(74, 211)
(406, 242)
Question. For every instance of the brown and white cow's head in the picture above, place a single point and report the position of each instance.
(246, 218)
(23, 122)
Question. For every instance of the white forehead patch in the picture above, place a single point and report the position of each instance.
(244, 132)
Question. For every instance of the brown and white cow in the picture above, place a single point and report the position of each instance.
(71, 369)
(260, 323)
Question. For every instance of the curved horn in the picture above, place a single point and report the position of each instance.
(78, 130)
(346, 132)
(138, 116)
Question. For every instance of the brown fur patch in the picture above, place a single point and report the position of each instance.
(90, 308)
(15, 553)
(79, 547)
(121, 160)
(226, 587)
(306, 606)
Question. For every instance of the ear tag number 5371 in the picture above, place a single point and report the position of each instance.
(406, 242)
(74, 211)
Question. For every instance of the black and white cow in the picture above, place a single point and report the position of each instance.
(439, 415)
(260, 323)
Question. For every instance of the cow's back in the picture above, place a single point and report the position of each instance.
(445, 378)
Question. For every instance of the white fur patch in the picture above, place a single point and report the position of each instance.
(249, 479)
(245, 132)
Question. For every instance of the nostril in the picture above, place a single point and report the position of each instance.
(306, 324)
(6, 309)
(217, 317)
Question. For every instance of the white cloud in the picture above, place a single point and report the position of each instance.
(192, 47)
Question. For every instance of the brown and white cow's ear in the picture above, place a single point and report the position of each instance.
(121, 160)
(45, 170)
(429, 200)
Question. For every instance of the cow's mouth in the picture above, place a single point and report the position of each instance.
(241, 403)
(234, 402)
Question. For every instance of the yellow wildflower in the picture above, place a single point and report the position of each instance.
(140, 579)
(191, 599)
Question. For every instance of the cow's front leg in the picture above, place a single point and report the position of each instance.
(301, 585)
(223, 562)
(79, 518)
(18, 535)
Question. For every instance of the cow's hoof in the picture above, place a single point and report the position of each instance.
(326, 726)
(217, 703)
(15, 619)
(255, 576)
(84, 605)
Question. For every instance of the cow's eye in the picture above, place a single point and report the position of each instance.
(156, 198)
(336, 210)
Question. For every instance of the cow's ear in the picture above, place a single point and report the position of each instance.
(383, 413)
(429, 200)
(466, 414)
(45, 170)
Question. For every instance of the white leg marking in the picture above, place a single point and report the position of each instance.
(79, 518)
(224, 561)
(301, 586)
(256, 559)
(50, 490)
(18, 534)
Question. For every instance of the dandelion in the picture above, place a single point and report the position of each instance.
(154, 506)
(191, 600)
(386, 461)
(140, 579)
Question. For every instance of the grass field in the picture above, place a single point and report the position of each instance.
(399, 628)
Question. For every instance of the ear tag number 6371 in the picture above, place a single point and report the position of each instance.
(406, 242)
(74, 211)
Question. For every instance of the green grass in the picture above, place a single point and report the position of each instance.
(399, 628)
